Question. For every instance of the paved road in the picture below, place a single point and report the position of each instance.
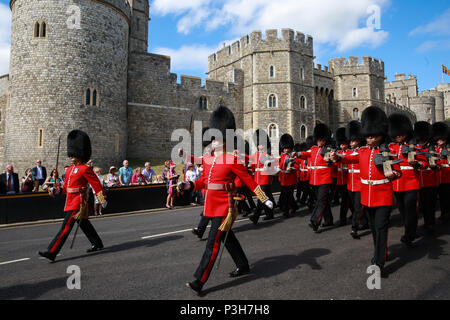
(152, 256)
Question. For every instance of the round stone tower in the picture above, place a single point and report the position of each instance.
(68, 70)
(439, 102)
(424, 108)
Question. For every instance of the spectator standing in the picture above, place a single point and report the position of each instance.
(112, 179)
(148, 173)
(40, 174)
(97, 205)
(51, 180)
(28, 181)
(192, 175)
(138, 178)
(125, 174)
(9, 181)
(170, 177)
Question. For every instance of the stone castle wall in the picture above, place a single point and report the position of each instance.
(4, 96)
(49, 77)
(424, 108)
(445, 89)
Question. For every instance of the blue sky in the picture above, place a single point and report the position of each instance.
(411, 37)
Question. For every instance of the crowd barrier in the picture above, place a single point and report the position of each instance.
(40, 206)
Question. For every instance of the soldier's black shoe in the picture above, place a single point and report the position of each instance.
(364, 227)
(48, 255)
(197, 232)
(355, 235)
(195, 285)
(239, 272)
(94, 248)
(254, 219)
(328, 224)
(314, 226)
(406, 242)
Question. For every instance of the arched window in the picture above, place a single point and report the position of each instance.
(43, 30)
(273, 130)
(203, 103)
(88, 97)
(303, 102)
(302, 74)
(378, 94)
(272, 72)
(37, 28)
(355, 92)
(303, 132)
(355, 114)
(94, 97)
(272, 101)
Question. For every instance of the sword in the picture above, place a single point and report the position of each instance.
(75, 234)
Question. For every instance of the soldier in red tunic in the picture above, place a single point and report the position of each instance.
(287, 175)
(406, 188)
(440, 134)
(303, 189)
(427, 177)
(78, 176)
(376, 186)
(342, 172)
(320, 177)
(219, 174)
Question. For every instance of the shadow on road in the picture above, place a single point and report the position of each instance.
(273, 266)
(31, 291)
(126, 246)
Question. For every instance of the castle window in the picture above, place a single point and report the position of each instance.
(43, 30)
(88, 97)
(303, 132)
(117, 143)
(303, 102)
(378, 94)
(429, 110)
(94, 98)
(40, 29)
(37, 27)
(355, 92)
(272, 101)
(272, 72)
(355, 114)
(273, 130)
(203, 103)
(302, 74)
(40, 138)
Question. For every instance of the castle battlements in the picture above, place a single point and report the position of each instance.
(287, 40)
(325, 71)
(352, 64)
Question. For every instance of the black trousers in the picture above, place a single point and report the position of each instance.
(67, 225)
(379, 224)
(341, 192)
(322, 209)
(427, 204)
(248, 204)
(303, 191)
(407, 205)
(203, 224)
(249, 197)
(260, 207)
(359, 214)
(212, 250)
(444, 200)
(334, 195)
(287, 201)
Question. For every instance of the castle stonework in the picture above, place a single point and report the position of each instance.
(100, 78)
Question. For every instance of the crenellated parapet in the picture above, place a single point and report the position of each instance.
(255, 42)
(353, 65)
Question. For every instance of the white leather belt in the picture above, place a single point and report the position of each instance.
(445, 165)
(304, 170)
(317, 168)
(354, 171)
(374, 182)
(406, 168)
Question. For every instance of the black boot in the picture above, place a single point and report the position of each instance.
(48, 255)
(240, 272)
(195, 285)
(94, 248)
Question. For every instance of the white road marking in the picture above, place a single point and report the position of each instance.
(179, 231)
(13, 261)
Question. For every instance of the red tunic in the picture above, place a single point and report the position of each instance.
(342, 171)
(353, 177)
(78, 177)
(427, 176)
(222, 169)
(302, 172)
(410, 177)
(261, 178)
(443, 173)
(320, 171)
(287, 178)
(376, 189)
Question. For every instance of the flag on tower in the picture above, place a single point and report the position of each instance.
(445, 70)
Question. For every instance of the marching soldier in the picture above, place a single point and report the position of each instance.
(287, 176)
(303, 189)
(406, 188)
(218, 182)
(359, 217)
(262, 164)
(427, 177)
(320, 177)
(342, 172)
(440, 133)
(312, 196)
(78, 176)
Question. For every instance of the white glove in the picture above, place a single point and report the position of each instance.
(104, 204)
(269, 204)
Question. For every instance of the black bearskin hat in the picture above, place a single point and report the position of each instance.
(321, 131)
(299, 147)
(439, 131)
(207, 142)
(374, 122)
(400, 125)
(341, 138)
(286, 142)
(422, 131)
(353, 131)
(79, 145)
(260, 137)
(310, 142)
(222, 119)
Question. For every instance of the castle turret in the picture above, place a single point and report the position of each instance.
(439, 103)
(140, 16)
(67, 72)
(424, 108)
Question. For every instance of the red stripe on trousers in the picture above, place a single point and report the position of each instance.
(213, 256)
(66, 229)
